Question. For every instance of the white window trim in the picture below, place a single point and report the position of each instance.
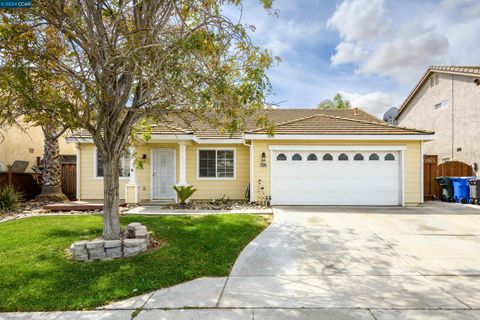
(197, 160)
(95, 167)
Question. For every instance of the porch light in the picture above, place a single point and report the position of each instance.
(144, 157)
(263, 162)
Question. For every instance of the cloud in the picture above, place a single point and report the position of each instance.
(282, 34)
(422, 34)
(359, 19)
(348, 52)
(467, 7)
(375, 103)
(406, 56)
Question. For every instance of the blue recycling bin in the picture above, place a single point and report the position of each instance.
(461, 189)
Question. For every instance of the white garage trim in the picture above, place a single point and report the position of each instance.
(336, 148)
(422, 193)
(402, 176)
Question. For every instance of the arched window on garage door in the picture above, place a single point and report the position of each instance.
(281, 157)
(358, 157)
(312, 157)
(297, 157)
(374, 157)
(342, 157)
(389, 157)
(327, 157)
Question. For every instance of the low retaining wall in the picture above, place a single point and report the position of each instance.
(136, 241)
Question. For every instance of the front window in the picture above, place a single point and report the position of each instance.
(124, 167)
(217, 163)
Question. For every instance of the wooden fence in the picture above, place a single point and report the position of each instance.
(30, 184)
(69, 180)
(432, 170)
(26, 183)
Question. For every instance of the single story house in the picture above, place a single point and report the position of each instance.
(316, 157)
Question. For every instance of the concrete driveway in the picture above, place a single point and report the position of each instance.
(423, 258)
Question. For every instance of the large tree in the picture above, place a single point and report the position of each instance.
(128, 60)
(31, 92)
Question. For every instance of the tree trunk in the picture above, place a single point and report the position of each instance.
(52, 169)
(111, 198)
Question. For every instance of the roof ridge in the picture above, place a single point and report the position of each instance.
(383, 124)
(175, 128)
(288, 122)
(368, 113)
(380, 123)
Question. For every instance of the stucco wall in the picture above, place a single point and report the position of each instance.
(26, 145)
(456, 125)
(412, 164)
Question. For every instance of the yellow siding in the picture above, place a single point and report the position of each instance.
(92, 188)
(412, 163)
(214, 189)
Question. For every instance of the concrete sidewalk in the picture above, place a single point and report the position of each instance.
(251, 314)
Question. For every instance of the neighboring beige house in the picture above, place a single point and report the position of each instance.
(317, 157)
(27, 145)
(447, 100)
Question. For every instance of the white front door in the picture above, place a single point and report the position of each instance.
(163, 174)
(336, 178)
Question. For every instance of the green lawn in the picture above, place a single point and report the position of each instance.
(36, 275)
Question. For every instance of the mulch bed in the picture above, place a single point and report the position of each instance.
(216, 205)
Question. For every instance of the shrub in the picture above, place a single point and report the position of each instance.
(9, 198)
(221, 201)
(184, 193)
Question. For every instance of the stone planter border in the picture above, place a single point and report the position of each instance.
(136, 241)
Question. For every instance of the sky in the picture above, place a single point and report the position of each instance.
(371, 51)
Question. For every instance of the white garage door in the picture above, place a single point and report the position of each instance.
(336, 178)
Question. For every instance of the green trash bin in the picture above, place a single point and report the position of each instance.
(447, 188)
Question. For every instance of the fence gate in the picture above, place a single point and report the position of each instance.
(69, 176)
(430, 163)
(431, 170)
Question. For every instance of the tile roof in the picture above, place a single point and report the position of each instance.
(473, 71)
(289, 121)
(322, 124)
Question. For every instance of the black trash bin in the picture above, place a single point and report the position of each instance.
(447, 188)
(474, 191)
